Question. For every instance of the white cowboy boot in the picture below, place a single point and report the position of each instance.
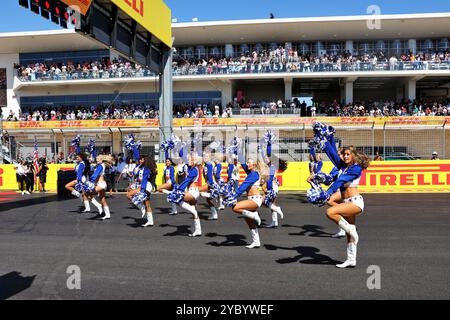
(252, 215)
(351, 257)
(350, 229)
(255, 239)
(340, 234)
(149, 222)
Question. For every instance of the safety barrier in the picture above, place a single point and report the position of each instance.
(380, 177)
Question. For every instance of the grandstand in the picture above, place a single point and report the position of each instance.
(234, 72)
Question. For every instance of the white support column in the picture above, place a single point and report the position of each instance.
(288, 89)
(12, 101)
(349, 46)
(348, 89)
(227, 92)
(410, 89)
(166, 98)
(412, 45)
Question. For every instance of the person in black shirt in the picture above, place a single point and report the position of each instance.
(42, 174)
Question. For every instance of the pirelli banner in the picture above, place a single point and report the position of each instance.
(380, 177)
(137, 123)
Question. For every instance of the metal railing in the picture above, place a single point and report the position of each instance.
(237, 68)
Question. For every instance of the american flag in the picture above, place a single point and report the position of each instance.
(35, 157)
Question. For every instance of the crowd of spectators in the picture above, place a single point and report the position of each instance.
(101, 69)
(264, 61)
(387, 108)
(101, 112)
(282, 60)
(233, 109)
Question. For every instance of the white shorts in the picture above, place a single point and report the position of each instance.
(357, 201)
(102, 184)
(149, 187)
(256, 199)
(194, 192)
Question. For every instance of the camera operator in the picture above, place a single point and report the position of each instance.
(42, 174)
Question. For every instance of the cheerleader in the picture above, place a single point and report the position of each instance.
(269, 182)
(133, 189)
(343, 213)
(315, 163)
(97, 185)
(205, 190)
(336, 198)
(248, 208)
(270, 186)
(75, 187)
(169, 181)
(217, 172)
(147, 173)
(233, 172)
(187, 193)
(182, 171)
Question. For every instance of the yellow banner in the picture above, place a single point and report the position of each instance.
(81, 6)
(80, 124)
(153, 15)
(380, 177)
(138, 123)
(310, 120)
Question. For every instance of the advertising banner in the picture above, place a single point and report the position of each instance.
(380, 177)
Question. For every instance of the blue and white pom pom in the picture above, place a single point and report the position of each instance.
(322, 178)
(176, 196)
(139, 197)
(130, 143)
(76, 141)
(270, 197)
(89, 186)
(230, 200)
(269, 137)
(317, 196)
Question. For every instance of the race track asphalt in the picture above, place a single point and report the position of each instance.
(406, 236)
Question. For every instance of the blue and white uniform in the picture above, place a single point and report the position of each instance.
(233, 175)
(143, 178)
(252, 180)
(182, 171)
(314, 165)
(190, 179)
(208, 171)
(169, 175)
(99, 172)
(349, 177)
(218, 172)
(79, 170)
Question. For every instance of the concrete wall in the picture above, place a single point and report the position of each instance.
(7, 62)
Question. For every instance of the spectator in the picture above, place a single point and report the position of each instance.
(378, 157)
(434, 156)
(42, 174)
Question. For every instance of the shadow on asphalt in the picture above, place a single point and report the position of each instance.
(183, 230)
(231, 240)
(13, 283)
(25, 202)
(306, 255)
(309, 230)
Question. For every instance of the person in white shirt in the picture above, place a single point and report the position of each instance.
(21, 171)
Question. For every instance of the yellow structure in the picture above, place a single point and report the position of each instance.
(380, 177)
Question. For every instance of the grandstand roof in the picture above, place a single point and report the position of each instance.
(45, 41)
(421, 25)
(424, 25)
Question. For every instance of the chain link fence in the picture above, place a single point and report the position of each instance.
(392, 141)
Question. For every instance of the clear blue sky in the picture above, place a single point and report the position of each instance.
(15, 18)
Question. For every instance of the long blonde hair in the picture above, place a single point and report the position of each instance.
(359, 157)
(107, 159)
